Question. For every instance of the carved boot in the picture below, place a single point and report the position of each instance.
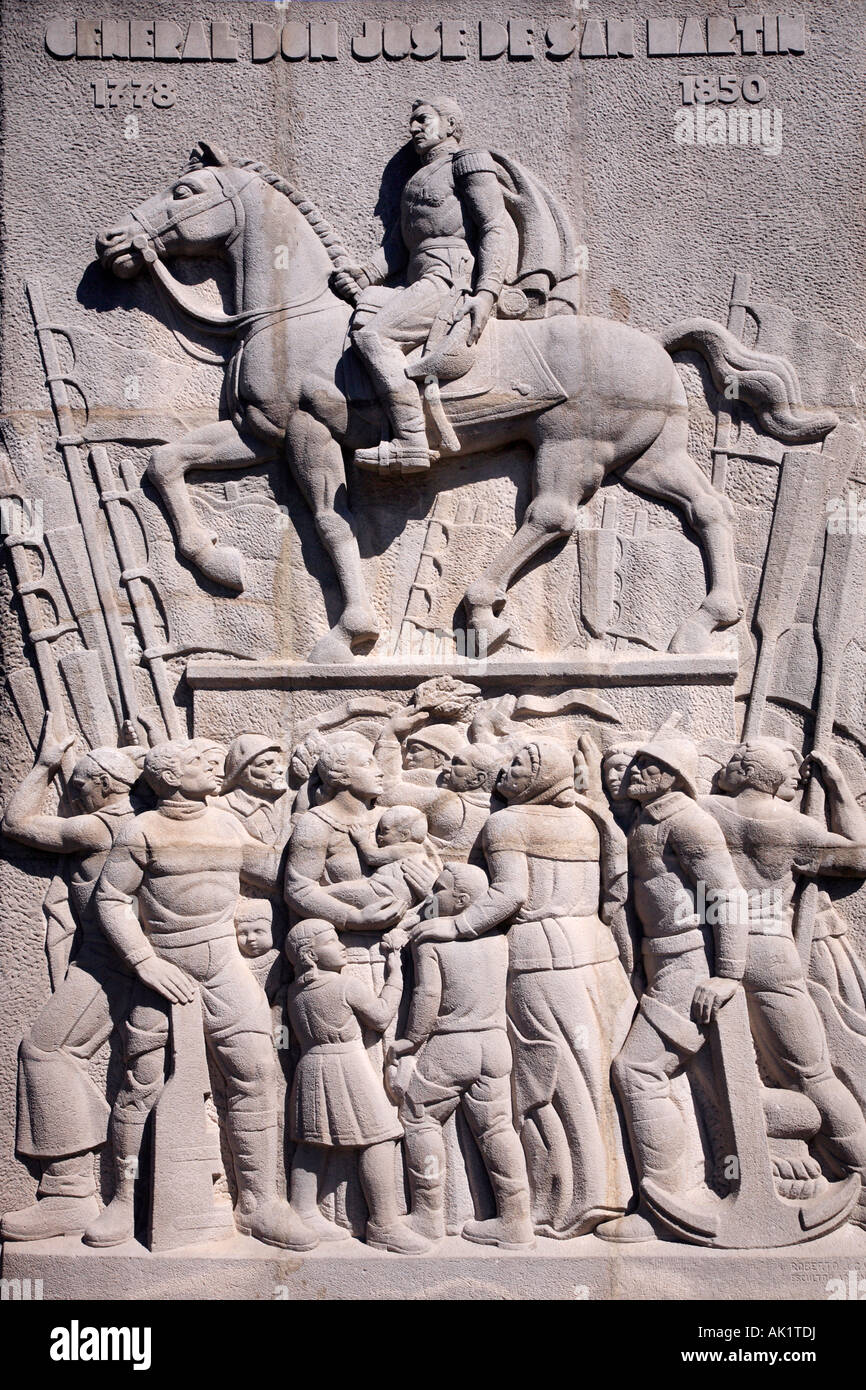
(630, 1229)
(399, 1238)
(48, 1217)
(115, 1224)
(510, 1230)
(427, 1217)
(260, 1213)
(402, 454)
(408, 451)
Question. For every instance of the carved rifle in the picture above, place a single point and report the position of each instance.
(69, 444)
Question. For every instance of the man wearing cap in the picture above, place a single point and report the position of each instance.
(441, 774)
(255, 788)
(691, 970)
(453, 202)
(773, 844)
(62, 1116)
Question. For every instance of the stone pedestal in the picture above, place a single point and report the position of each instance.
(585, 1269)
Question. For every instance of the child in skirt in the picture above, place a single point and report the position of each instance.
(338, 1098)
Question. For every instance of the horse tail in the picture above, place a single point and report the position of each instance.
(768, 384)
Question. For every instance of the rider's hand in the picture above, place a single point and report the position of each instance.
(349, 281)
(167, 979)
(52, 748)
(479, 307)
(710, 996)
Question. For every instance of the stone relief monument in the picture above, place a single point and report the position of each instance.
(434, 796)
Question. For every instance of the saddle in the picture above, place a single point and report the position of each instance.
(503, 375)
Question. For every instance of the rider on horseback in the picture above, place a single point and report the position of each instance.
(454, 201)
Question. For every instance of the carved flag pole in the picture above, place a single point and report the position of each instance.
(133, 577)
(69, 443)
(840, 602)
(736, 325)
(798, 514)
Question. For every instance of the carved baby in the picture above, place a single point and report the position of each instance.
(457, 1032)
(338, 1099)
(400, 852)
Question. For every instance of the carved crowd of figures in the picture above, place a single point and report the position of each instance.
(455, 975)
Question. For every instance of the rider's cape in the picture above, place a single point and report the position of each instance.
(546, 255)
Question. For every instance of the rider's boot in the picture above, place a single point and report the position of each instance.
(408, 450)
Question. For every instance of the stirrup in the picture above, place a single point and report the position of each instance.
(395, 456)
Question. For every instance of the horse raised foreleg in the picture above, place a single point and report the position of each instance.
(216, 446)
(562, 482)
(316, 460)
(668, 471)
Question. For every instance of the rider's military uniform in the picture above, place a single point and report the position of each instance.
(453, 235)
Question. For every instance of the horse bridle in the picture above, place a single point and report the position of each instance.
(153, 238)
(149, 242)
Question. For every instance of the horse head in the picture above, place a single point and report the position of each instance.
(200, 212)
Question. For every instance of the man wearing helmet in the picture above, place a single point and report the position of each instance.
(673, 846)
(255, 787)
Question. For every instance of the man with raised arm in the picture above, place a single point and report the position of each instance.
(772, 845)
(62, 1116)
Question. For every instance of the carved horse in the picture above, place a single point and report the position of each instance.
(625, 413)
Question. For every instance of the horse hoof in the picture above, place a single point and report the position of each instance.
(482, 596)
(359, 625)
(490, 633)
(692, 636)
(222, 564)
(331, 650)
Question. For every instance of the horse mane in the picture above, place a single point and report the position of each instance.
(306, 207)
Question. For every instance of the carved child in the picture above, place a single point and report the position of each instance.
(338, 1098)
(254, 929)
(403, 857)
(457, 1031)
